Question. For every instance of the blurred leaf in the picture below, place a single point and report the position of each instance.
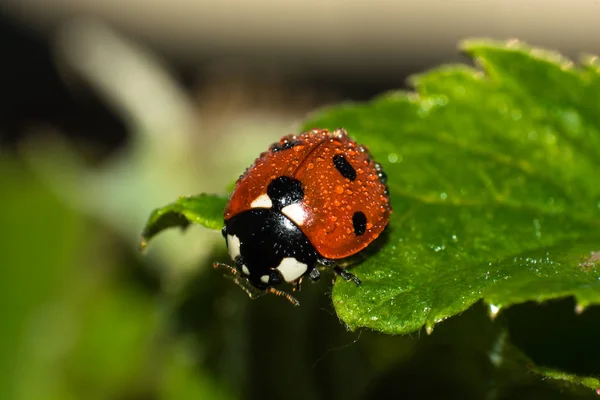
(115, 340)
(39, 243)
(182, 379)
(494, 182)
(204, 209)
(70, 329)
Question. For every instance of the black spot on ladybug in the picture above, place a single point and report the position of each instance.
(277, 147)
(359, 221)
(344, 167)
(284, 191)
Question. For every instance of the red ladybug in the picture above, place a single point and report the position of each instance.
(311, 199)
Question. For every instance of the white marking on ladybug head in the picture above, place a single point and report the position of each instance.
(291, 269)
(262, 201)
(295, 212)
(233, 246)
(245, 270)
(264, 279)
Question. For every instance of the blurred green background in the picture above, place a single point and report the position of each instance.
(109, 111)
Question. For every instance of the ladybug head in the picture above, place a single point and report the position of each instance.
(268, 249)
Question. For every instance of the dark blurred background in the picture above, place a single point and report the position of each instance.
(112, 108)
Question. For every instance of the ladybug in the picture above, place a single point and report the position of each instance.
(311, 199)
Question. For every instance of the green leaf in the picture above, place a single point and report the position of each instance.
(204, 209)
(493, 178)
(561, 376)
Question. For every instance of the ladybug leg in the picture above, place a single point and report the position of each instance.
(326, 262)
(337, 269)
(253, 294)
(346, 275)
(314, 275)
(297, 284)
(288, 296)
(233, 271)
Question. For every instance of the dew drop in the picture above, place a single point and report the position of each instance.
(493, 311)
(429, 329)
(339, 189)
(443, 196)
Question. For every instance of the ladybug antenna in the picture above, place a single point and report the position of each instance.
(242, 283)
(251, 291)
